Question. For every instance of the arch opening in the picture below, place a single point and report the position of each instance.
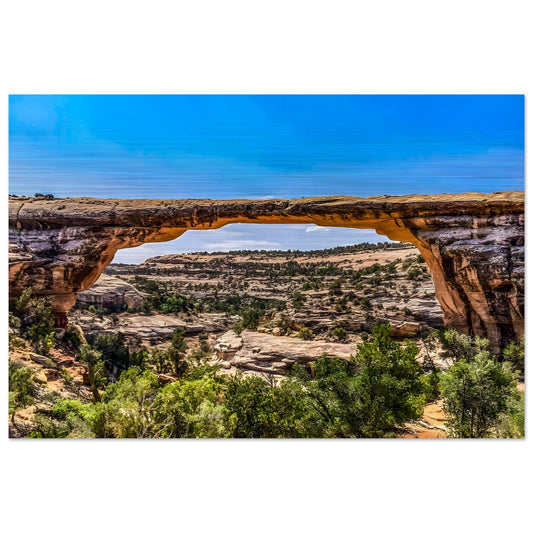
(246, 236)
(328, 279)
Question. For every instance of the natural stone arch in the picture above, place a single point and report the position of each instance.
(472, 243)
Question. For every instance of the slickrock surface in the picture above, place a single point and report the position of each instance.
(472, 243)
(265, 353)
(152, 329)
(111, 293)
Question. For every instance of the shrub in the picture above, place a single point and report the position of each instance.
(339, 332)
(514, 354)
(305, 334)
(35, 319)
(298, 300)
(458, 346)
(413, 273)
(237, 328)
(21, 389)
(476, 394)
(335, 287)
(365, 303)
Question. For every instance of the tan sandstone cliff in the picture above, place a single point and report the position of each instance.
(472, 243)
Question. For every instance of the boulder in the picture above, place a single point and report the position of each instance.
(40, 359)
(75, 329)
(40, 377)
(111, 293)
(228, 344)
(404, 330)
(261, 352)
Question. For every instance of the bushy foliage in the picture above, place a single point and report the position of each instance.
(458, 346)
(305, 333)
(112, 347)
(200, 355)
(21, 389)
(177, 351)
(514, 354)
(298, 300)
(95, 367)
(414, 273)
(476, 394)
(511, 423)
(69, 419)
(365, 303)
(35, 320)
(336, 287)
(390, 387)
(191, 408)
(339, 332)
(364, 397)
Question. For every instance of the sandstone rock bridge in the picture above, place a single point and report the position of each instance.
(472, 243)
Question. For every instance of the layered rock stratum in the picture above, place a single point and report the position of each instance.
(472, 243)
(111, 293)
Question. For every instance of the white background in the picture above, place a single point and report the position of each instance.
(262, 47)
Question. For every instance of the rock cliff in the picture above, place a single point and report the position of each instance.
(472, 243)
(111, 293)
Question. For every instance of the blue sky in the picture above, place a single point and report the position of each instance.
(264, 146)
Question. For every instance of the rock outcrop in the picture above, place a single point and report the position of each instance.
(261, 352)
(472, 243)
(111, 293)
(153, 329)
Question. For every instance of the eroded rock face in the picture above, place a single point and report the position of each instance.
(472, 243)
(153, 329)
(261, 352)
(112, 293)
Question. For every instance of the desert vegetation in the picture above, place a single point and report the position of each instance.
(103, 387)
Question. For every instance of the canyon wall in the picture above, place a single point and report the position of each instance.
(473, 243)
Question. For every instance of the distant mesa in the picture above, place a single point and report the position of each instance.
(473, 243)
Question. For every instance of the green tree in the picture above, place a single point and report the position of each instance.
(514, 354)
(176, 353)
(476, 394)
(95, 367)
(139, 358)
(113, 348)
(365, 303)
(511, 424)
(305, 334)
(414, 273)
(339, 332)
(127, 405)
(248, 400)
(191, 408)
(458, 346)
(69, 419)
(390, 389)
(36, 319)
(20, 389)
(160, 362)
(368, 396)
(250, 318)
(336, 287)
(328, 396)
(200, 355)
(298, 300)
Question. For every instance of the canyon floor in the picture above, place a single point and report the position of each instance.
(310, 304)
(257, 312)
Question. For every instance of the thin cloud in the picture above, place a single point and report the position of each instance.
(310, 229)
